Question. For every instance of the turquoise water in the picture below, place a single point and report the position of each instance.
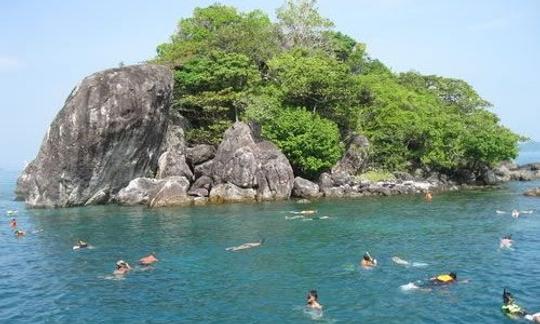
(44, 280)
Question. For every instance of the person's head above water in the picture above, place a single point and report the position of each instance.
(507, 297)
(312, 295)
(121, 264)
(453, 275)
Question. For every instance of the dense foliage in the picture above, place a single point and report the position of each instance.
(310, 86)
(311, 142)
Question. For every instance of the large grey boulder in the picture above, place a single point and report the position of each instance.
(109, 132)
(172, 193)
(139, 191)
(201, 187)
(200, 153)
(303, 188)
(228, 192)
(204, 169)
(245, 163)
(168, 192)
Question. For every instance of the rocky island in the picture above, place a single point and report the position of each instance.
(270, 116)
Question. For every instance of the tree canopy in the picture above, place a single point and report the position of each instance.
(309, 86)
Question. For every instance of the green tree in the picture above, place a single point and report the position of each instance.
(222, 28)
(301, 25)
(316, 81)
(310, 142)
(453, 92)
(209, 92)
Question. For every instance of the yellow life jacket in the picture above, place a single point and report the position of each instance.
(511, 308)
(445, 278)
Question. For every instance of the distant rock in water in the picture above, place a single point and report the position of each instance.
(109, 132)
(534, 192)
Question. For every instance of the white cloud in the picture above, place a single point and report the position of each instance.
(8, 63)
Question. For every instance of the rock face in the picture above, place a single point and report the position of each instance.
(172, 193)
(303, 188)
(200, 153)
(534, 192)
(109, 132)
(354, 159)
(173, 161)
(168, 192)
(243, 163)
(228, 192)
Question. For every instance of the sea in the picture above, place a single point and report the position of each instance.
(43, 280)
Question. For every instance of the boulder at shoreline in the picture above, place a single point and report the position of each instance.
(534, 192)
(109, 132)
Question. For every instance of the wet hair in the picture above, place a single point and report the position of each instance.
(507, 297)
(367, 257)
(453, 275)
(313, 293)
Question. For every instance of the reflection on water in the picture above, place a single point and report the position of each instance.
(44, 279)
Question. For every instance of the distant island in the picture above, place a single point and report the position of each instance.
(237, 107)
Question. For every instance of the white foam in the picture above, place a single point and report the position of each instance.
(400, 261)
(419, 264)
(408, 287)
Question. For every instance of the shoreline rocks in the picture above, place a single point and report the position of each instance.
(115, 140)
(534, 192)
(109, 132)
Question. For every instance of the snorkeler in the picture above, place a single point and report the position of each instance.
(368, 261)
(506, 242)
(444, 279)
(514, 311)
(80, 245)
(245, 246)
(122, 267)
(428, 196)
(304, 212)
(13, 223)
(148, 260)
(313, 300)
(515, 213)
(19, 233)
(400, 261)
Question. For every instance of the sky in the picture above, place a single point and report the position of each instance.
(47, 47)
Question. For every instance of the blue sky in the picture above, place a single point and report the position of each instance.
(46, 47)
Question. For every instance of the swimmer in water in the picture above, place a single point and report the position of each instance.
(148, 260)
(122, 267)
(428, 196)
(313, 300)
(515, 213)
(506, 242)
(367, 261)
(400, 261)
(13, 223)
(245, 246)
(511, 309)
(80, 245)
(444, 279)
(19, 233)
(305, 212)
